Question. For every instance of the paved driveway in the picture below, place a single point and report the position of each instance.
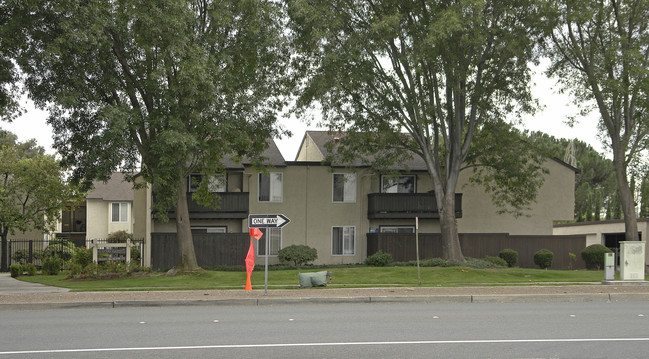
(10, 285)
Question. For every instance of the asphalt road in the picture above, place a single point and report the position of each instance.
(397, 330)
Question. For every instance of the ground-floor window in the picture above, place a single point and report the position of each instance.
(343, 241)
(397, 229)
(273, 236)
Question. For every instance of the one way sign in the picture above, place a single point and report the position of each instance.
(267, 220)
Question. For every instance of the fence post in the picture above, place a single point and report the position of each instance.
(31, 251)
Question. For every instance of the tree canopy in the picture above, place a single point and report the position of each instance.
(159, 88)
(444, 72)
(33, 189)
(600, 54)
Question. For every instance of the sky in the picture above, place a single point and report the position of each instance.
(555, 110)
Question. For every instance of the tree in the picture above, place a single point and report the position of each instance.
(599, 52)
(9, 39)
(443, 72)
(160, 89)
(33, 190)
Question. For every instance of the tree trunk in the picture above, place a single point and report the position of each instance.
(451, 249)
(626, 197)
(187, 260)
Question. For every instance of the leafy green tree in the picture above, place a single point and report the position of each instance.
(599, 54)
(159, 88)
(33, 190)
(9, 39)
(444, 72)
(644, 196)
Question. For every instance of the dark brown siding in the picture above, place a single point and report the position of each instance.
(478, 245)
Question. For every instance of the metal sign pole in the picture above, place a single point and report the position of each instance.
(417, 248)
(266, 262)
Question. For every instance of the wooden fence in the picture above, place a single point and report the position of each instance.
(478, 245)
(211, 249)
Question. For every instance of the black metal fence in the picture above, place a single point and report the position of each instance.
(26, 251)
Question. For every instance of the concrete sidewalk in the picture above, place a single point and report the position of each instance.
(18, 295)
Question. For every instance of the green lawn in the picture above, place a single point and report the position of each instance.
(342, 277)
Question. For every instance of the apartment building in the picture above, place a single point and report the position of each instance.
(331, 206)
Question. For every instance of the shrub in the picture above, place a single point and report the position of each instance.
(30, 269)
(135, 255)
(82, 257)
(59, 248)
(21, 256)
(16, 270)
(510, 256)
(543, 258)
(594, 255)
(299, 254)
(497, 261)
(379, 259)
(52, 265)
(119, 236)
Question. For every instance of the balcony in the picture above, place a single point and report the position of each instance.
(406, 205)
(233, 205)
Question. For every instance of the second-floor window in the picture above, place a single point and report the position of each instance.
(216, 183)
(400, 184)
(344, 187)
(270, 187)
(119, 212)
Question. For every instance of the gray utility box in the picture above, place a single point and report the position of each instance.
(632, 259)
(609, 266)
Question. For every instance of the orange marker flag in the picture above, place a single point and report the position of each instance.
(250, 265)
(250, 258)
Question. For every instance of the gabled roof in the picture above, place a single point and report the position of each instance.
(321, 139)
(115, 189)
(272, 157)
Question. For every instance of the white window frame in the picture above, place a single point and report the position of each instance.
(345, 246)
(275, 244)
(349, 187)
(275, 187)
(122, 214)
(217, 183)
(384, 178)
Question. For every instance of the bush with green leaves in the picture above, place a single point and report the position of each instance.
(543, 258)
(497, 261)
(298, 254)
(60, 248)
(119, 237)
(15, 270)
(379, 259)
(52, 265)
(510, 256)
(21, 256)
(82, 257)
(594, 255)
(30, 269)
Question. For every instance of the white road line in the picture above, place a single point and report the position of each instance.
(289, 345)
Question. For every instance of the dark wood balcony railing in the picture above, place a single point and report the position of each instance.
(233, 205)
(406, 205)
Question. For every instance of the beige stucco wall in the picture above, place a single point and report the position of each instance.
(309, 151)
(555, 202)
(99, 219)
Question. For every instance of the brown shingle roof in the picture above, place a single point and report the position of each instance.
(115, 189)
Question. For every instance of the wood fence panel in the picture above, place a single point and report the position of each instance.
(478, 245)
(212, 249)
